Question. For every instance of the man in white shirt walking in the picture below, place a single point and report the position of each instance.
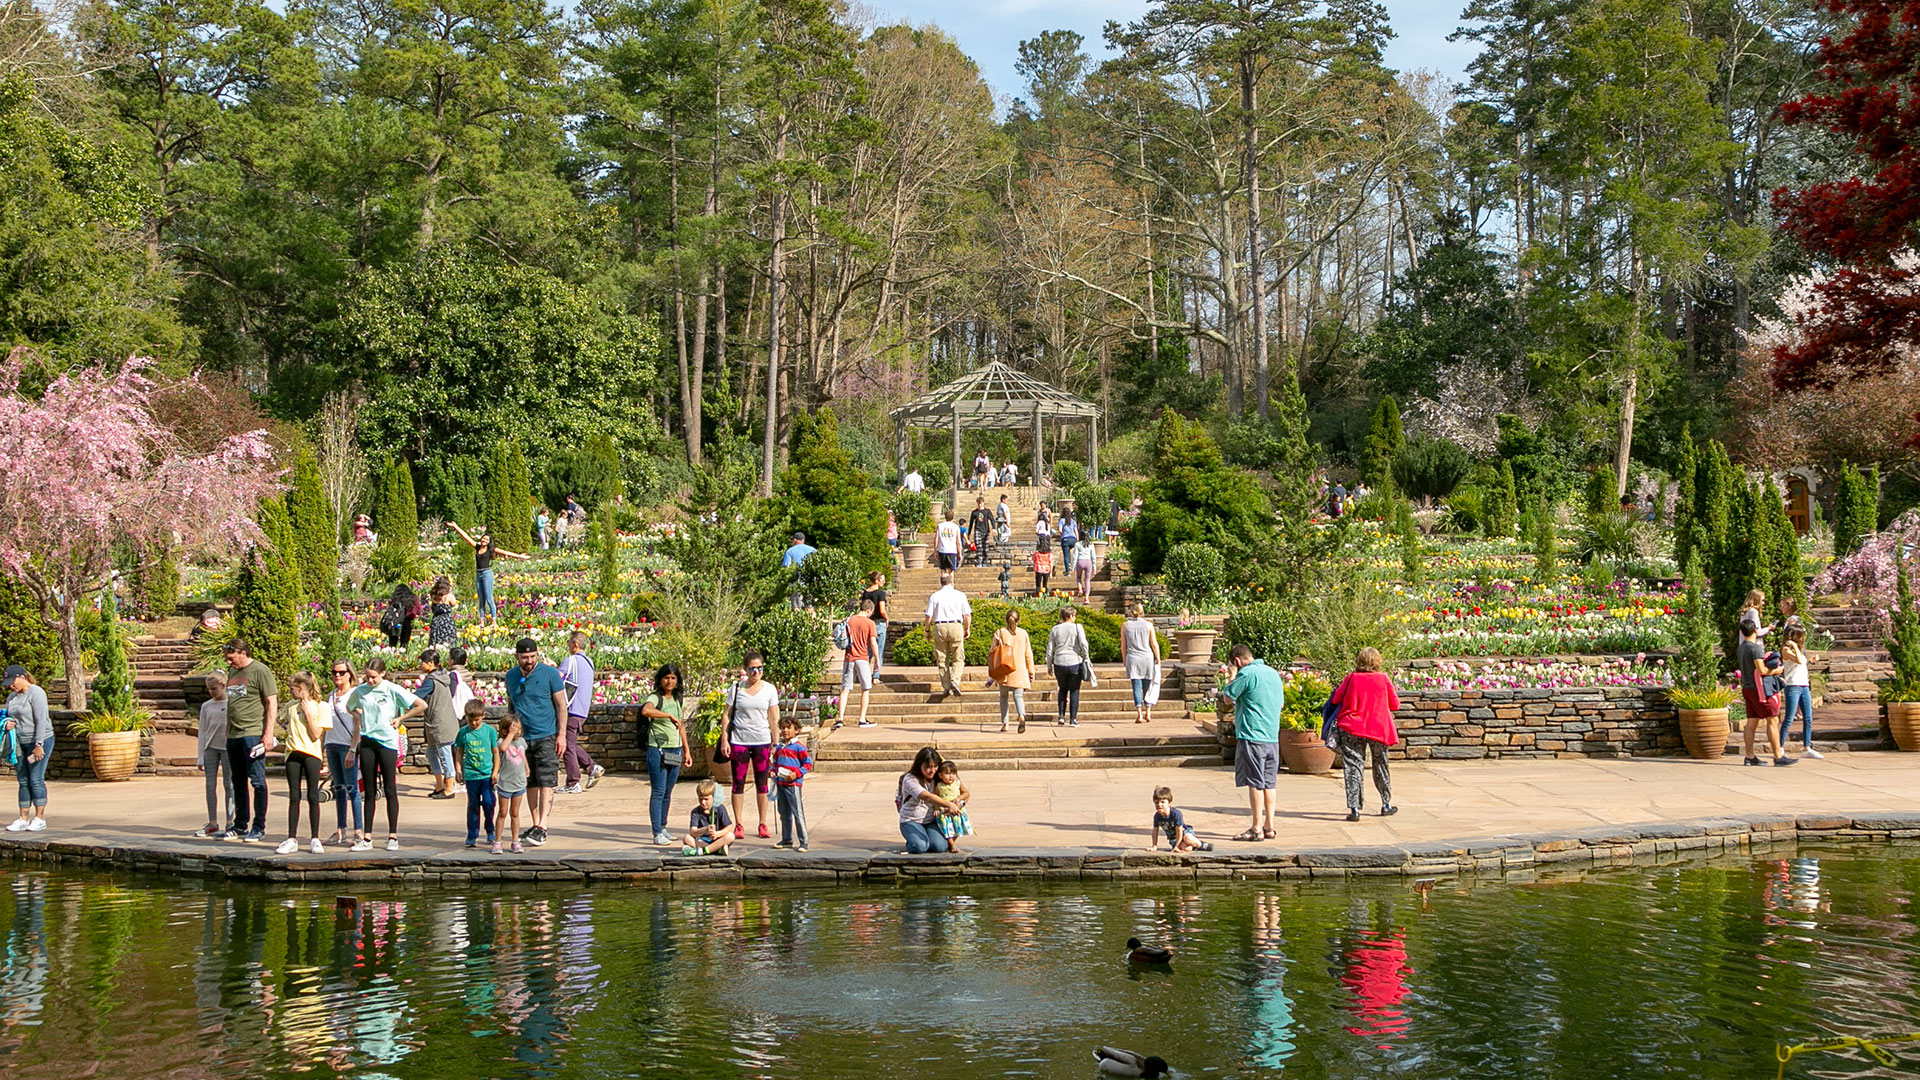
(913, 481)
(946, 542)
(948, 622)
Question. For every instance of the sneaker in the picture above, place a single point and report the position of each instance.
(802, 849)
(662, 839)
(210, 830)
(526, 832)
(1752, 761)
(1783, 762)
(1353, 815)
(517, 849)
(1812, 753)
(287, 846)
(764, 831)
(567, 789)
(38, 824)
(689, 851)
(393, 843)
(472, 842)
(1389, 811)
(868, 723)
(317, 847)
(594, 777)
(1204, 845)
(257, 836)
(496, 847)
(17, 825)
(783, 843)
(739, 832)
(538, 838)
(362, 844)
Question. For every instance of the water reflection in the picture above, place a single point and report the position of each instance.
(1705, 965)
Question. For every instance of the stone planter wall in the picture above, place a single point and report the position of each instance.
(1570, 722)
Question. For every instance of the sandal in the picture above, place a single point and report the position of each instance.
(1249, 835)
(1269, 835)
(1022, 730)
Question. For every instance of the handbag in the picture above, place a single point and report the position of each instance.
(999, 659)
(673, 757)
(1330, 717)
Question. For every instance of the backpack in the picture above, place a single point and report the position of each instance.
(462, 693)
(841, 639)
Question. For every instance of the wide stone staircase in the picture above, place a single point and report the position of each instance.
(1848, 717)
(909, 713)
(159, 666)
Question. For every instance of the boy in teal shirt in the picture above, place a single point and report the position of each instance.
(474, 747)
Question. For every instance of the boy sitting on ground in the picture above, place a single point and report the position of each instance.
(709, 827)
(1167, 819)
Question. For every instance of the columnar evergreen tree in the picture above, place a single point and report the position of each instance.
(1684, 540)
(509, 497)
(1413, 565)
(1856, 511)
(113, 685)
(1193, 495)
(311, 515)
(1601, 485)
(607, 542)
(1502, 503)
(1546, 543)
(1385, 437)
(396, 513)
(266, 607)
(1785, 578)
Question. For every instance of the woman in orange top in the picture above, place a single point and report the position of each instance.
(1367, 703)
(1013, 644)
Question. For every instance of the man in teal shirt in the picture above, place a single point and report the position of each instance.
(1257, 696)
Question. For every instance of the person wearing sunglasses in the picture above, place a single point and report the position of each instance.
(342, 764)
(746, 739)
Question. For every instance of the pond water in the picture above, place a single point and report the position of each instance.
(1693, 970)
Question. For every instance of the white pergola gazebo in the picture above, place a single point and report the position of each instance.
(997, 398)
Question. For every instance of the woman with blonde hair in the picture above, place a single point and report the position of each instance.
(1140, 650)
(1365, 723)
(1010, 663)
(308, 718)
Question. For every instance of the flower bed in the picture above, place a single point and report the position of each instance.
(1505, 620)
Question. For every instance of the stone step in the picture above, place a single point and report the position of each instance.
(967, 761)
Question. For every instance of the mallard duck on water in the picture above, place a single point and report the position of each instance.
(1116, 1062)
(1147, 954)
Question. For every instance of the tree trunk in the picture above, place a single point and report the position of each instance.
(776, 288)
(69, 631)
(1625, 449)
(1255, 272)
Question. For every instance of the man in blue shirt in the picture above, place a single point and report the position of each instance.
(794, 556)
(1258, 696)
(536, 694)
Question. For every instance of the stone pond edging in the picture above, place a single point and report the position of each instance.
(1519, 853)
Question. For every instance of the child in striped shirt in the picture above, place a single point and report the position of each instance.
(791, 764)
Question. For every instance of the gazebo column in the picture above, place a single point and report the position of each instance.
(900, 450)
(1093, 451)
(953, 500)
(1038, 469)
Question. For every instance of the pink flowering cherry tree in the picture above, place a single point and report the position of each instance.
(90, 468)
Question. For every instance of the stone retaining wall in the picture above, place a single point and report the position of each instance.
(1521, 855)
(1606, 722)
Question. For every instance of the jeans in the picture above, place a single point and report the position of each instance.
(1353, 761)
(660, 779)
(1140, 692)
(345, 769)
(1019, 696)
(440, 760)
(922, 838)
(252, 795)
(879, 645)
(1068, 676)
(483, 584)
(576, 757)
(793, 815)
(219, 772)
(480, 805)
(33, 776)
(1797, 699)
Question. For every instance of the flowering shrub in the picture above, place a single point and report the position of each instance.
(1869, 573)
(1518, 674)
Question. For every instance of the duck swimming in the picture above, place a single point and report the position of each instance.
(1117, 1062)
(1147, 954)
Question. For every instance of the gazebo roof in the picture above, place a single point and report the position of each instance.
(995, 396)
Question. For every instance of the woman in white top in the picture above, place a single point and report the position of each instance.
(1009, 475)
(753, 715)
(1140, 649)
(946, 542)
(1042, 530)
(1798, 695)
(1083, 558)
(1067, 655)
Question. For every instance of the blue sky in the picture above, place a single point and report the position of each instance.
(989, 30)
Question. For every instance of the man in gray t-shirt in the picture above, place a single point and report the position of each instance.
(1761, 709)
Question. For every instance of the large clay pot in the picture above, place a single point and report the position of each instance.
(1705, 732)
(1195, 644)
(1903, 720)
(114, 755)
(697, 766)
(913, 556)
(1099, 552)
(1305, 753)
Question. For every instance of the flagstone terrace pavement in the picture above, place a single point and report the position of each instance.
(1099, 808)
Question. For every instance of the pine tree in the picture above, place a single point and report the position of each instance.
(509, 498)
(113, 684)
(1385, 437)
(1856, 509)
(311, 515)
(822, 494)
(1601, 487)
(397, 514)
(1413, 564)
(1903, 643)
(266, 608)
(1786, 580)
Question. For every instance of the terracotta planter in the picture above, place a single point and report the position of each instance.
(114, 755)
(1305, 754)
(913, 556)
(1195, 644)
(1705, 732)
(1903, 720)
(696, 766)
(1099, 552)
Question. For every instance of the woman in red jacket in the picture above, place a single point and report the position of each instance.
(1367, 703)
